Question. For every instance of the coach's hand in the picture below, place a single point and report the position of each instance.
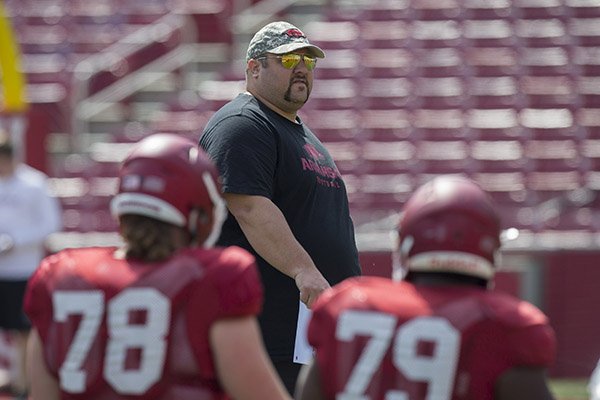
(311, 283)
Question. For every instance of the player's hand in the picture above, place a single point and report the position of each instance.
(311, 284)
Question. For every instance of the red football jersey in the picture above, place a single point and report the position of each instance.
(379, 339)
(114, 328)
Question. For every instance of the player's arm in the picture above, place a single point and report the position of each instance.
(269, 234)
(523, 383)
(308, 386)
(43, 385)
(242, 365)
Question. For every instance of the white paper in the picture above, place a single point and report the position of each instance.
(303, 352)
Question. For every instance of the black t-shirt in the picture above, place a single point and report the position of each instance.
(259, 152)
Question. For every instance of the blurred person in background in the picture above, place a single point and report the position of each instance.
(287, 201)
(28, 215)
(166, 316)
(439, 333)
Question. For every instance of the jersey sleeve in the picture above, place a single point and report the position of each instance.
(533, 341)
(230, 288)
(245, 154)
(237, 284)
(37, 302)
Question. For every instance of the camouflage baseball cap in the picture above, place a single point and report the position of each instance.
(279, 38)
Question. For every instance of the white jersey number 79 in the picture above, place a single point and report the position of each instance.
(438, 370)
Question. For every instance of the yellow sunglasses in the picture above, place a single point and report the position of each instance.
(291, 60)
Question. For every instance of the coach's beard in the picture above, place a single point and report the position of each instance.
(288, 94)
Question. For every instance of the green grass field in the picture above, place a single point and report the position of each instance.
(569, 389)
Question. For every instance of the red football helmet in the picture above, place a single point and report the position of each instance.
(169, 178)
(449, 225)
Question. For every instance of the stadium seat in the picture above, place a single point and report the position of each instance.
(591, 180)
(493, 124)
(553, 155)
(433, 124)
(339, 64)
(384, 34)
(538, 9)
(499, 156)
(435, 34)
(48, 39)
(542, 92)
(588, 89)
(488, 33)
(388, 157)
(37, 12)
(588, 120)
(545, 61)
(333, 125)
(491, 61)
(551, 123)
(385, 125)
(487, 9)
(585, 31)
(438, 10)
(583, 8)
(495, 92)
(377, 192)
(93, 38)
(506, 188)
(45, 67)
(386, 93)
(441, 62)
(589, 149)
(216, 93)
(386, 63)
(212, 18)
(82, 12)
(347, 156)
(334, 94)
(541, 33)
(586, 60)
(439, 93)
(143, 12)
(334, 35)
(183, 122)
(443, 157)
(385, 10)
(548, 185)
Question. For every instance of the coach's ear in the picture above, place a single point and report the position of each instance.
(253, 67)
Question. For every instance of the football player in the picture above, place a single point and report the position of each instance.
(438, 333)
(163, 317)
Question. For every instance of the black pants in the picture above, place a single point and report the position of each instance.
(288, 372)
(12, 316)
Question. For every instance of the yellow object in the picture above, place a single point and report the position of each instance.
(12, 80)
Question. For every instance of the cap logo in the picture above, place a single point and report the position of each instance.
(294, 32)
